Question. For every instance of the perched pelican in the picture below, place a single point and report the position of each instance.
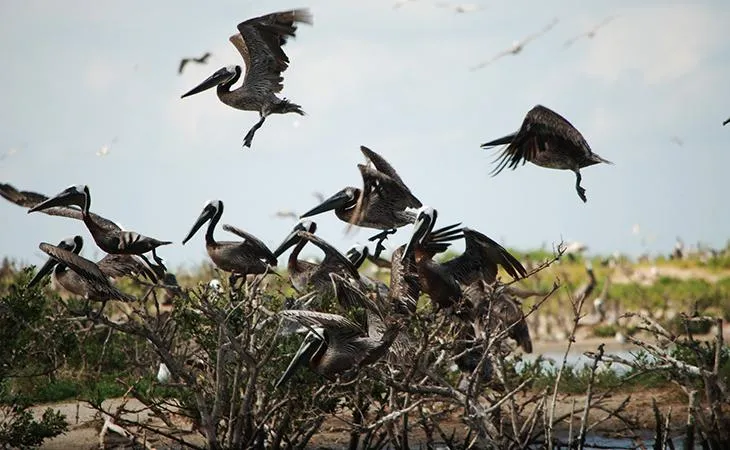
(107, 235)
(250, 256)
(336, 345)
(97, 285)
(202, 60)
(384, 202)
(304, 273)
(440, 285)
(359, 253)
(495, 310)
(113, 266)
(481, 256)
(260, 41)
(547, 139)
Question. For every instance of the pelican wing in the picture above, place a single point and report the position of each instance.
(28, 199)
(330, 252)
(254, 243)
(88, 270)
(116, 266)
(542, 130)
(349, 296)
(260, 45)
(333, 323)
(481, 257)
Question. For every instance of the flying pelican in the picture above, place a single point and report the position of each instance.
(517, 46)
(260, 42)
(250, 256)
(202, 60)
(590, 34)
(547, 139)
(108, 236)
(336, 345)
(384, 202)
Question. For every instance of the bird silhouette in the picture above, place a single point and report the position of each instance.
(202, 60)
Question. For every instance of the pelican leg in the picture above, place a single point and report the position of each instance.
(249, 136)
(380, 237)
(157, 259)
(578, 188)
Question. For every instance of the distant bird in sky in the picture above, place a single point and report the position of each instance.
(677, 140)
(400, 3)
(590, 34)
(517, 46)
(546, 139)
(286, 214)
(104, 150)
(460, 8)
(202, 60)
(9, 152)
(260, 41)
(726, 122)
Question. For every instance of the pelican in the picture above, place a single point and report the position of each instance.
(495, 310)
(481, 256)
(251, 256)
(259, 41)
(303, 273)
(97, 285)
(113, 266)
(547, 139)
(336, 345)
(108, 236)
(440, 285)
(384, 202)
(726, 122)
(202, 60)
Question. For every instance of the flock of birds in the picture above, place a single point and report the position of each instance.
(466, 288)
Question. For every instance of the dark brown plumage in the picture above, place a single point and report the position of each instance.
(248, 257)
(259, 41)
(546, 139)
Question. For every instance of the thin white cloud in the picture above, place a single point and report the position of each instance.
(660, 43)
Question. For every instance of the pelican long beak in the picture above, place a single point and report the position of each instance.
(310, 345)
(217, 78)
(45, 270)
(65, 198)
(339, 200)
(205, 216)
(67, 244)
(290, 240)
(424, 224)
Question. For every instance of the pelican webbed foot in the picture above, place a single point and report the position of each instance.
(381, 237)
(249, 136)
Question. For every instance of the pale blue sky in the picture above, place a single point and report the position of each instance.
(81, 75)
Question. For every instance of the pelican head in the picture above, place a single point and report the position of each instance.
(342, 200)
(73, 244)
(425, 220)
(77, 195)
(211, 209)
(293, 237)
(312, 343)
(226, 75)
